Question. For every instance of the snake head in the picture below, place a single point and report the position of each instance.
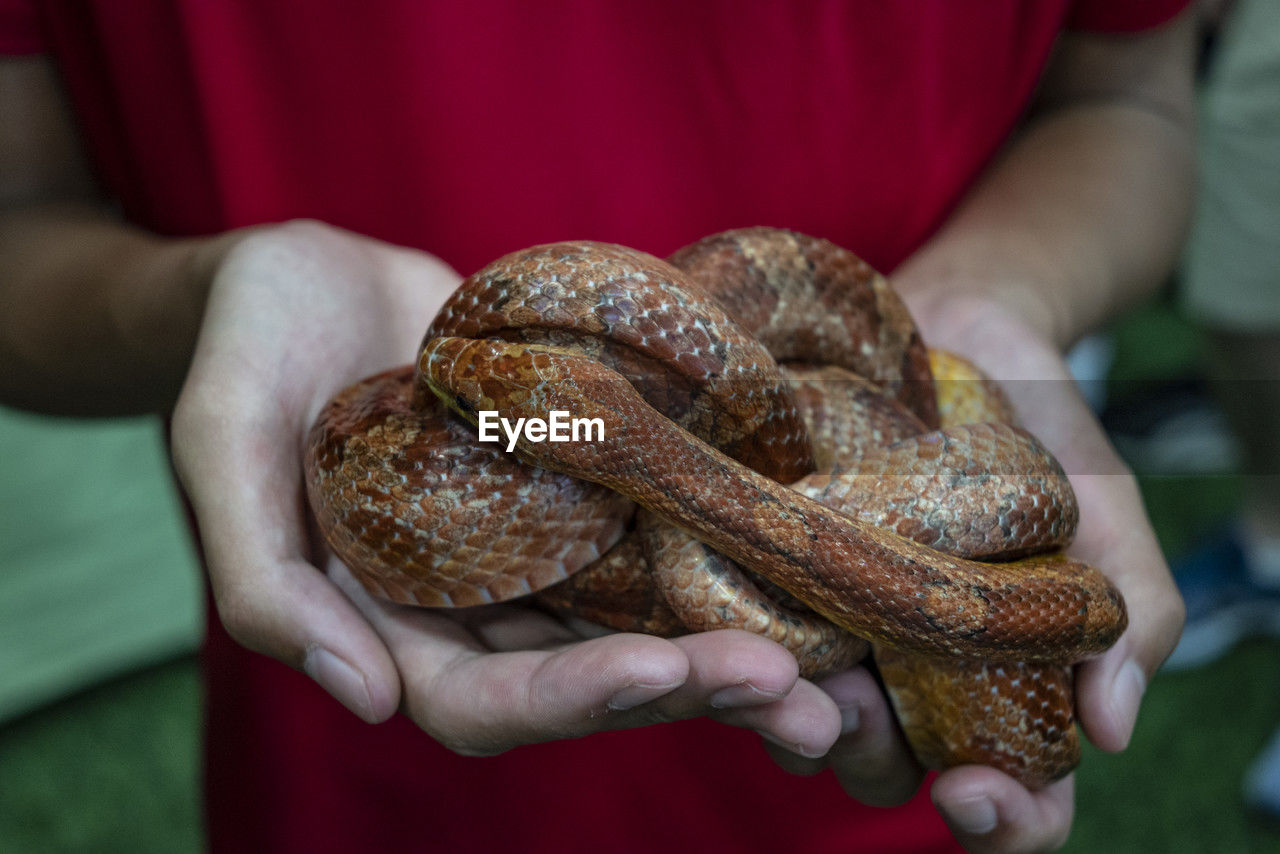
(455, 370)
(491, 382)
(517, 380)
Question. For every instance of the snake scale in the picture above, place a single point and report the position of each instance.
(768, 405)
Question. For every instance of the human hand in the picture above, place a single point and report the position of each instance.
(987, 810)
(295, 313)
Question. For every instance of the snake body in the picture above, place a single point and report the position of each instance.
(704, 431)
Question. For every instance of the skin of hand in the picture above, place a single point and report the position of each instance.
(986, 809)
(256, 329)
(297, 311)
(1082, 214)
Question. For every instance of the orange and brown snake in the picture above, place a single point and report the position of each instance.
(941, 547)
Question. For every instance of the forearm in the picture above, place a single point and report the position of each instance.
(96, 316)
(1082, 216)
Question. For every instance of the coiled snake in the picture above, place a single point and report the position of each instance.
(939, 547)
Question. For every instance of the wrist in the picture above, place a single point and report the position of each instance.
(174, 283)
(159, 319)
(104, 313)
(1031, 370)
(1006, 339)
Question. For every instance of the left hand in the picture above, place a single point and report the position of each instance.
(296, 310)
(986, 809)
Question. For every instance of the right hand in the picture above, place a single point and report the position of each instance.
(298, 311)
(986, 809)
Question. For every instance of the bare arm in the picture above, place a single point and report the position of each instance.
(1084, 213)
(244, 336)
(1081, 215)
(96, 317)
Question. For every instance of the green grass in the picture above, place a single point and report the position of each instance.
(1184, 508)
(112, 769)
(1156, 342)
(1178, 787)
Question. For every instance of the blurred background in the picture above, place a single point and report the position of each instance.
(101, 602)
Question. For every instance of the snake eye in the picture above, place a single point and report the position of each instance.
(463, 404)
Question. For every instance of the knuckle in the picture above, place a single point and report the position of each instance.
(245, 621)
(1172, 616)
(237, 618)
(282, 246)
(239, 623)
(305, 227)
(452, 732)
(464, 744)
(185, 436)
(1166, 625)
(185, 423)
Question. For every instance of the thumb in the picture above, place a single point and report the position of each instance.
(244, 483)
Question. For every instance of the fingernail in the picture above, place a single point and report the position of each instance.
(742, 694)
(344, 682)
(1126, 695)
(635, 695)
(850, 718)
(807, 752)
(974, 815)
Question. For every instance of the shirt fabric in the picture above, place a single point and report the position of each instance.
(474, 129)
(1233, 250)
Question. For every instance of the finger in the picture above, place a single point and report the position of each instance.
(848, 693)
(800, 728)
(479, 702)
(730, 670)
(747, 681)
(990, 812)
(244, 484)
(485, 703)
(1110, 688)
(1115, 535)
(504, 627)
(260, 372)
(789, 759)
(871, 760)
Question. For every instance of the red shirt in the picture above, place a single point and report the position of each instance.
(471, 129)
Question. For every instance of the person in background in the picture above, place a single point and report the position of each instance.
(227, 211)
(1231, 287)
